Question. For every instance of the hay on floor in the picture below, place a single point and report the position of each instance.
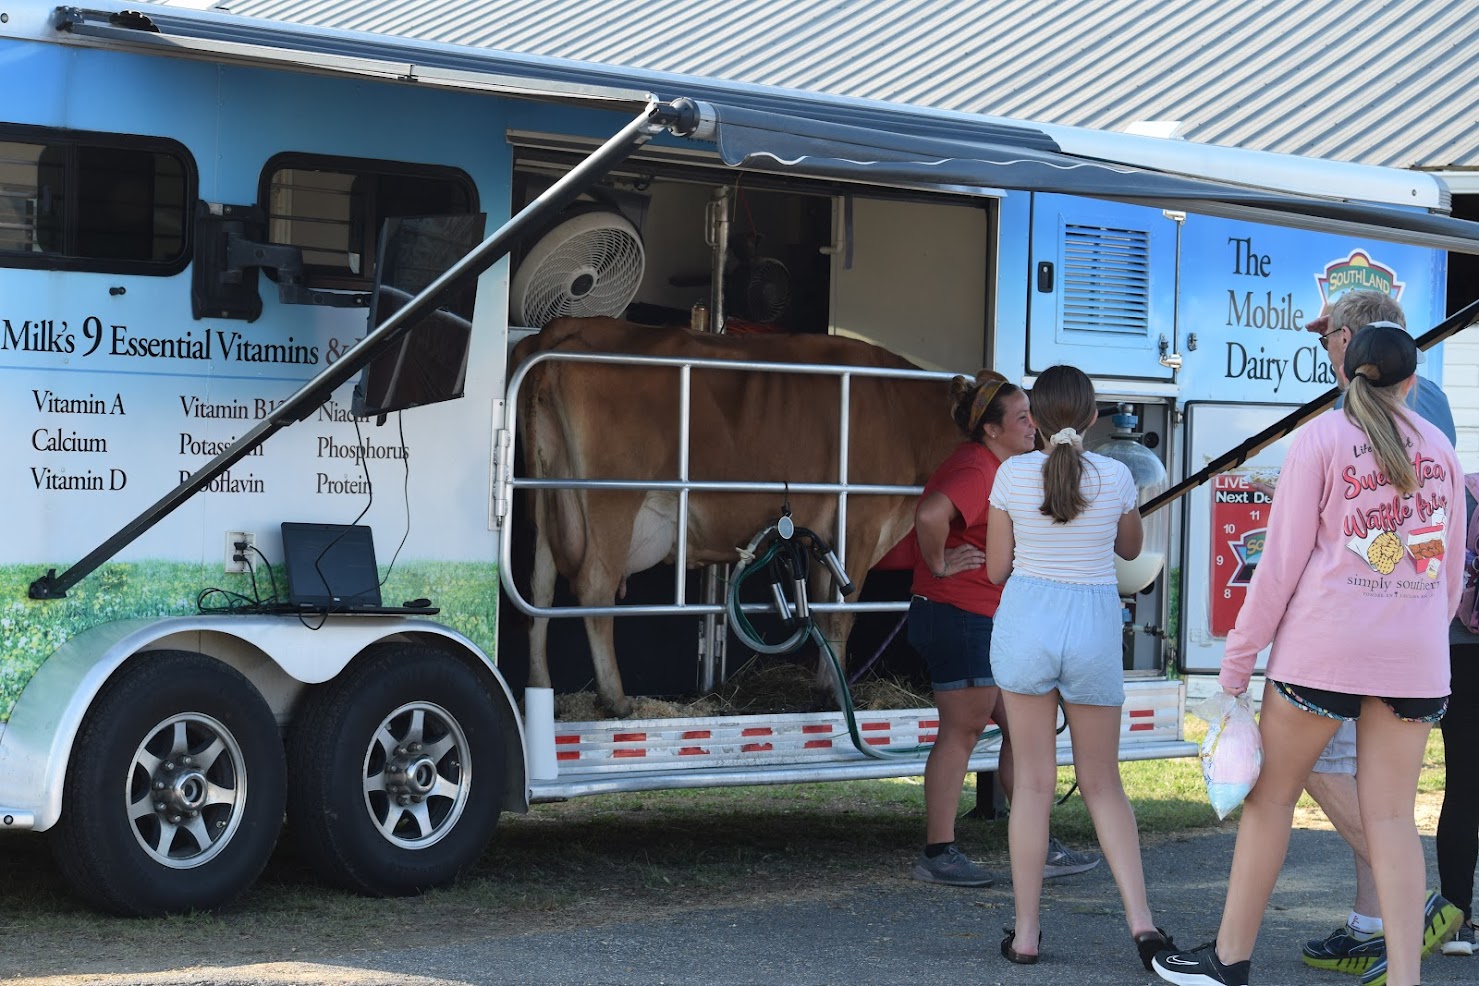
(759, 687)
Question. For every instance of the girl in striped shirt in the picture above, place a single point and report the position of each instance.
(1057, 520)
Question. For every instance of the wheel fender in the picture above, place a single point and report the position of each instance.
(36, 743)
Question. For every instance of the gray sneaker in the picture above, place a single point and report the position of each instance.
(1062, 861)
(952, 868)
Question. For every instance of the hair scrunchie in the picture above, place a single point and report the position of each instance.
(1067, 436)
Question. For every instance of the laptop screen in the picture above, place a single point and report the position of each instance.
(330, 565)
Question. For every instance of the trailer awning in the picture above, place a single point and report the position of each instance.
(241, 41)
(1029, 159)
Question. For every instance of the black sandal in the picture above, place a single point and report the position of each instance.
(1152, 943)
(1012, 955)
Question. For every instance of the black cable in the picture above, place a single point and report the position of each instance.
(405, 496)
(364, 462)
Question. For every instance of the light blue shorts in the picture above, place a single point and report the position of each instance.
(1339, 755)
(1060, 635)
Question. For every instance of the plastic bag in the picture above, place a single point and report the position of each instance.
(1232, 752)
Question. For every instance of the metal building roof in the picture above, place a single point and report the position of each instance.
(1389, 82)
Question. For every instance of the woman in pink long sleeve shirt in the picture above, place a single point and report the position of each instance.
(1360, 576)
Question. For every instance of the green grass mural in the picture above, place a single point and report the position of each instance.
(30, 630)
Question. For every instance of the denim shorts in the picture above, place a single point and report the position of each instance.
(956, 644)
(1067, 636)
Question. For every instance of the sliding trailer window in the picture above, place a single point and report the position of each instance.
(332, 208)
(74, 200)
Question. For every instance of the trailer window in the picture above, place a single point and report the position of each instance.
(100, 202)
(333, 208)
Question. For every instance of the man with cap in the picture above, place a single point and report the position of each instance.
(1359, 943)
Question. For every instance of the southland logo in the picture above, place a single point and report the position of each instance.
(1357, 272)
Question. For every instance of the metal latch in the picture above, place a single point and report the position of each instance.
(1170, 360)
(503, 447)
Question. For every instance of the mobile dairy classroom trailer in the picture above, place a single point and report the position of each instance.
(190, 207)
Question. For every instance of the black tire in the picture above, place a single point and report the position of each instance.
(396, 771)
(190, 734)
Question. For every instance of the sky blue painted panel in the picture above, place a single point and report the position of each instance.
(1247, 291)
(1112, 290)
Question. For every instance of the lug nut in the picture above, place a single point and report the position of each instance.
(159, 785)
(186, 761)
(169, 765)
(159, 806)
(174, 819)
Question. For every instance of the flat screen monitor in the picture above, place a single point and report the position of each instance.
(428, 363)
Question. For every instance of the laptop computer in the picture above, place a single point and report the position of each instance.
(330, 568)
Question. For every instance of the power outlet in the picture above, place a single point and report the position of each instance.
(236, 559)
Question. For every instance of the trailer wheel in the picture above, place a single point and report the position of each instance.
(175, 789)
(396, 772)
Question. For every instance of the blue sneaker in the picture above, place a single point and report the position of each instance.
(1344, 950)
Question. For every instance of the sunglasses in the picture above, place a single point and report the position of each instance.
(1325, 338)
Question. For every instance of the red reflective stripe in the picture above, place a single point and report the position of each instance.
(629, 738)
(876, 740)
(818, 744)
(1136, 727)
(757, 747)
(692, 751)
(756, 731)
(1141, 713)
(817, 728)
(697, 734)
(875, 725)
(927, 737)
(567, 755)
(629, 753)
(929, 724)
(566, 740)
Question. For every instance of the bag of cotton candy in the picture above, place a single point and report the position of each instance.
(1232, 751)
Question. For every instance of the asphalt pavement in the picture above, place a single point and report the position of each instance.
(885, 932)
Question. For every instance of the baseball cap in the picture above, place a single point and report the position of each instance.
(1386, 346)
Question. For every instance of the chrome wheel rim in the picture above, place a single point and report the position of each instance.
(417, 773)
(186, 788)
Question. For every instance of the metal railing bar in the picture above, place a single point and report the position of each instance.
(680, 562)
(695, 609)
(684, 486)
(711, 486)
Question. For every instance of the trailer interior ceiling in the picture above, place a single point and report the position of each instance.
(802, 254)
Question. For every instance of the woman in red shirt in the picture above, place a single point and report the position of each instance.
(954, 601)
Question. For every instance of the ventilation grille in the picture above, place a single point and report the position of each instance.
(1106, 280)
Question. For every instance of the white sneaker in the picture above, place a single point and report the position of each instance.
(1462, 942)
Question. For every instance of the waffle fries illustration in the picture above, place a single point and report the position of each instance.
(1382, 550)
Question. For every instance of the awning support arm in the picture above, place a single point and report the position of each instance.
(681, 117)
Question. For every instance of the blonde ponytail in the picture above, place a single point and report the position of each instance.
(1376, 411)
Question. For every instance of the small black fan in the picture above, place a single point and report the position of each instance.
(767, 290)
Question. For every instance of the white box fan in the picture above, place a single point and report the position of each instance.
(590, 263)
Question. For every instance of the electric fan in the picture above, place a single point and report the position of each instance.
(767, 290)
(590, 263)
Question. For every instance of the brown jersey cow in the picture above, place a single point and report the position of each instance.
(621, 422)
